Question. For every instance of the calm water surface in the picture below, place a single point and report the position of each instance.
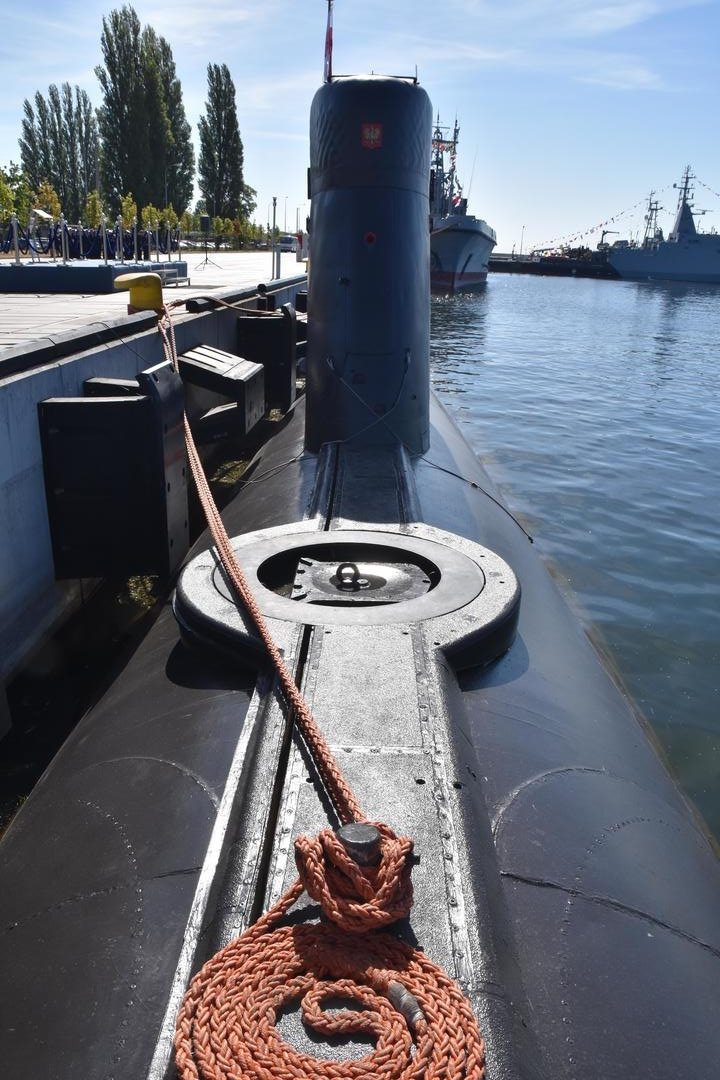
(595, 407)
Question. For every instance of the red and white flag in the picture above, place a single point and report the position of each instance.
(327, 74)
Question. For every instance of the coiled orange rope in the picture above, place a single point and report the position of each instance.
(227, 1025)
(423, 1027)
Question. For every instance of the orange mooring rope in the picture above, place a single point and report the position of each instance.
(422, 1025)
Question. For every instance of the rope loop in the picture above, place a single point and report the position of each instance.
(228, 1026)
(357, 898)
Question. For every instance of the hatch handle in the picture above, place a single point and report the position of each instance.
(348, 577)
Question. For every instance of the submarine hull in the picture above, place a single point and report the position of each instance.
(557, 858)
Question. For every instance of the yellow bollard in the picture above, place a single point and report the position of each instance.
(145, 291)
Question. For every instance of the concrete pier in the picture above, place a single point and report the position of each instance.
(55, 343)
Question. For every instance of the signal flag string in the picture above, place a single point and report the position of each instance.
(708, 188)
(560, 241)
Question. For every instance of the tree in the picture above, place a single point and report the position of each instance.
(22, 193)
(59, 143)
(150, 217)
(88, 142)
(94, 210)
(46, 198)
(121, 117)
(146, 145)
(7, 203)
(220, 161)
(128, 210)
(178, 156)
(248, 202)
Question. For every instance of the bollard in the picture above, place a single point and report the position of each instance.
(119, 242)
(16, 241)
(274, 242)
(63, 239)
(361, 841)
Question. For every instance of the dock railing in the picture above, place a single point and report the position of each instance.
(46, 239)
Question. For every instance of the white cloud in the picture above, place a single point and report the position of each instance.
(620, 73)
(459, 51)
(274, 91)
(542, 19)
(204, 24)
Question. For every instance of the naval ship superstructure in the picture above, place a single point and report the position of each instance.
(460, 243)
(686, 255)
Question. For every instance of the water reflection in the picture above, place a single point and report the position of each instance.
(600, 404)
(670, 292)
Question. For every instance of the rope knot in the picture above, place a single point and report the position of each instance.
(357, 898)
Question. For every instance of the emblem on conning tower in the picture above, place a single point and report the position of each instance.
(371, 136)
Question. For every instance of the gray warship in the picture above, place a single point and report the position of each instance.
(686, 255)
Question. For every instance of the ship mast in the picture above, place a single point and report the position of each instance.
(684, 227)
(442, 181)
(651, 220)
(451, 170)
(684, 188)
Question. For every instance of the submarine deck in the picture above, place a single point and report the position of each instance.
(537, 805)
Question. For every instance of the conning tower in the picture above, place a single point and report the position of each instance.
(369, 287)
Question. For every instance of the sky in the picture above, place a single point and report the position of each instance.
(570, 111)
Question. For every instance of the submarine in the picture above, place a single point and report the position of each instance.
(561, 882)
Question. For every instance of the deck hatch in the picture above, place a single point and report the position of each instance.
(349, 575)
(467, 593)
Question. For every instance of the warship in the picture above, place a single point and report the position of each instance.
(686, 255)
(460, 244)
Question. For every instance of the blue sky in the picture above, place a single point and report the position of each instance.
(570, 111)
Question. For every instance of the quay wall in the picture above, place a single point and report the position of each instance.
(32, 602)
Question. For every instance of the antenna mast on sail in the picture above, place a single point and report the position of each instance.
(327, 72)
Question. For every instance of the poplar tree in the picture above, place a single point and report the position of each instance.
(121, 118)
(146, 145)
(59, 144)
(178, 155)
(220, 163)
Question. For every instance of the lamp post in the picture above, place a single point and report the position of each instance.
(522, 237)
(275, 256)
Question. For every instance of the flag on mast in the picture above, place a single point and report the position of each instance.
(327, 74)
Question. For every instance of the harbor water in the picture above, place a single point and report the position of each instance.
(595, 408)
